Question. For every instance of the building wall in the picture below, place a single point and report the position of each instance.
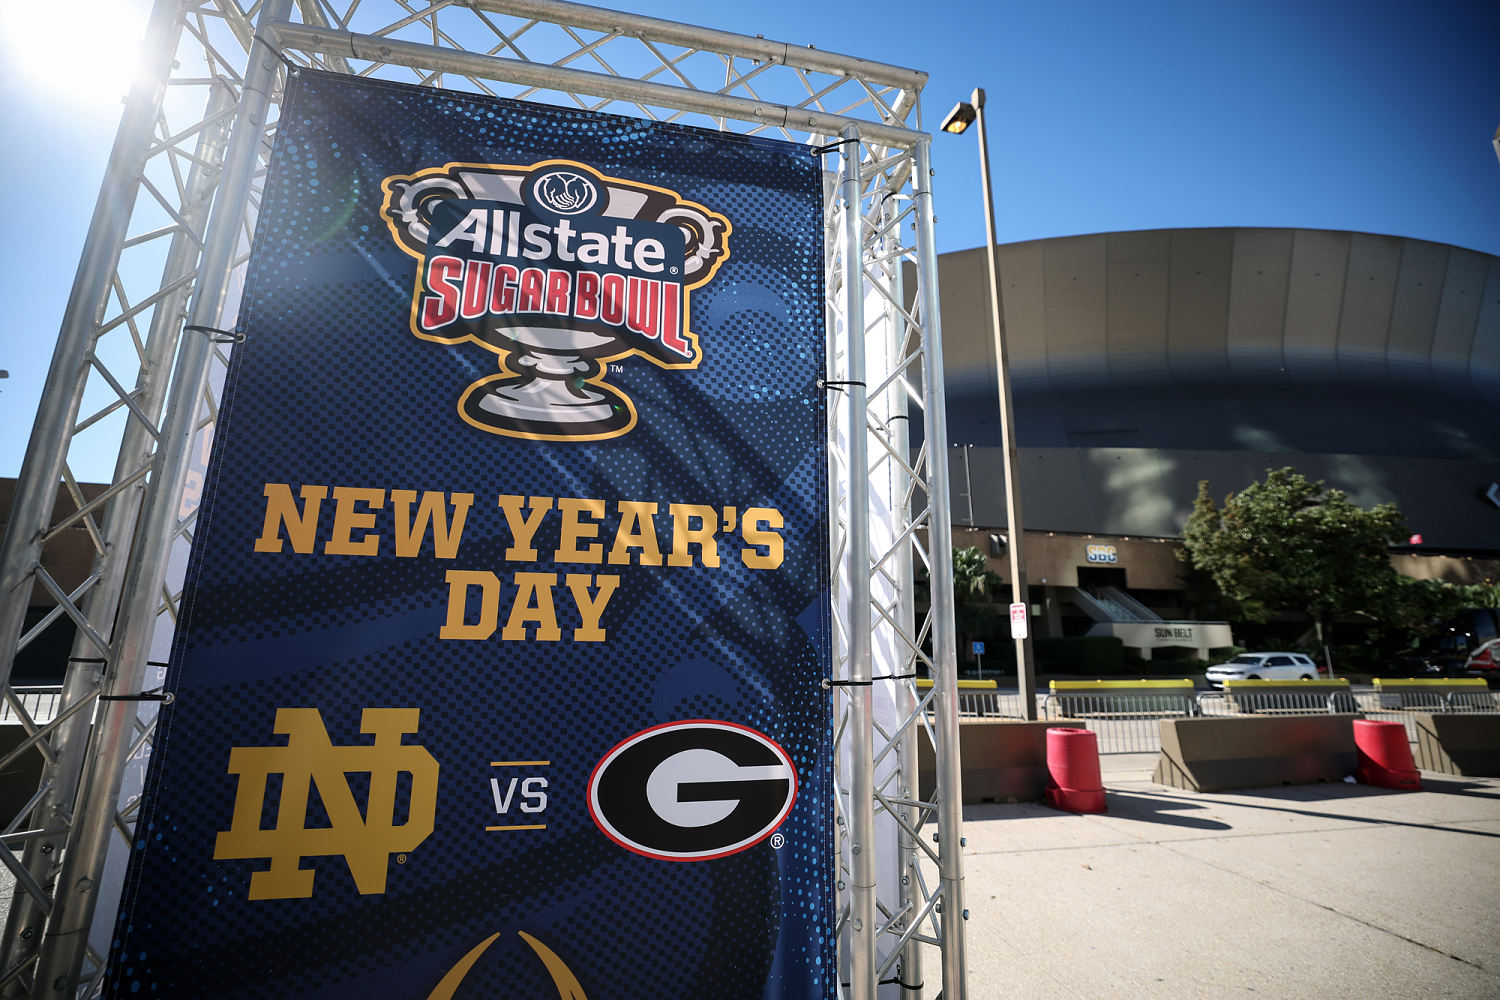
(1146, 491)
(1054, 560)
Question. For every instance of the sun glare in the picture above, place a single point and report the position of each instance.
(83, 54)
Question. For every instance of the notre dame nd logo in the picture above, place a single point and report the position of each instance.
(366, 840)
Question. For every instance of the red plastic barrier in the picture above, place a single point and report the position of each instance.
(1385, 756)
(1073, 782)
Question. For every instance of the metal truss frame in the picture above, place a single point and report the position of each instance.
(141, 356)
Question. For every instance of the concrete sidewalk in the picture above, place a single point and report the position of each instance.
(1310, 891)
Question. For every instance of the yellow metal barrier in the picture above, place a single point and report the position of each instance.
(1158, 685)
(1337, 684)
(981, 699)
(1432, 682)
(1125, 716)
(923, 683)
(1435, 694)
(1290, 697)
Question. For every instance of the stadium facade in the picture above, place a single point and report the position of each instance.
(1144, 362)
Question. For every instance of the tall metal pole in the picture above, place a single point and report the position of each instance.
(63, 948)
(85, 666)
(861, 749)
(894, 416)
(46, 453)
(1025, 665)
(944, 638)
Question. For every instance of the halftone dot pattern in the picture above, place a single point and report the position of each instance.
(332, 389)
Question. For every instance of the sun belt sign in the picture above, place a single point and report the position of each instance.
(559, 270)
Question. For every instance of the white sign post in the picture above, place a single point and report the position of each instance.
(1018, 620)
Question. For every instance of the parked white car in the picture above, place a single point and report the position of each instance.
(1263, 667)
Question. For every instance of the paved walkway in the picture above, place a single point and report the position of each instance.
(1312, 891)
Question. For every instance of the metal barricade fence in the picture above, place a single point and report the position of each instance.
(1125, 716)
(1273, 698)
(1400, 700)
(39, 702)
(979, 699)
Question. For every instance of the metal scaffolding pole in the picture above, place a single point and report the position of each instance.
(46, 453)
(861, 777)
(432, 57)
(752, 85)
(61, 955)
(895, 420)
(86, 667)
(944, 639)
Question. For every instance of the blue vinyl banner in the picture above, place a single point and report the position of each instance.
(501, 666)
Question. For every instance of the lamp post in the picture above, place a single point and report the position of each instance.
(958, 120)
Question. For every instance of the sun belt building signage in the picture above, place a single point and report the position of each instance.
(499, 671)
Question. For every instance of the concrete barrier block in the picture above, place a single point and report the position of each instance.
(1221, 753)
(1462, 743)
(1001, 760)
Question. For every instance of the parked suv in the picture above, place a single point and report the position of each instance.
(1263, 667)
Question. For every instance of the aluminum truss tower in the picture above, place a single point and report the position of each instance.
(139, 363)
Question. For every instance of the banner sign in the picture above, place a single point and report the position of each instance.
(501, 666)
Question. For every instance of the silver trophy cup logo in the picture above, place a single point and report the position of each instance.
(559, 270)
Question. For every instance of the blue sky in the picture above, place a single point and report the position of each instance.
(1373, 116)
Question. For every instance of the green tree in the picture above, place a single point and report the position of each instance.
(1290, 543)
(972, 576)
(1404, 608)
(973, 583)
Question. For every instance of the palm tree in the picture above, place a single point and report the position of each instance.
(973, 582)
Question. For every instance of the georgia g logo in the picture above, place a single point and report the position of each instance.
(693, 790)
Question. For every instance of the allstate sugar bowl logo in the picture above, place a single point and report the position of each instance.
(558, 269)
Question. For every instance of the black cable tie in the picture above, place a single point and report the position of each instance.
(824, 383)
(157, 663)
(224, 336)
(87, 659)
(898, 981)
(291, 67)
(820, 150)
(165, 697)
(872, 680)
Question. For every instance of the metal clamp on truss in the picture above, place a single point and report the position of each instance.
(829, 682)
(164, 697)
(160, 694)
(830, 147)
(223, 336)
(291, 67)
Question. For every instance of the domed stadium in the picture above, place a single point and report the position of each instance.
(1144, 362)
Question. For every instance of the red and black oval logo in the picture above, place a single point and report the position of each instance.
(692, 790)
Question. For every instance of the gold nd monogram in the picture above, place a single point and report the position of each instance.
(366, 841)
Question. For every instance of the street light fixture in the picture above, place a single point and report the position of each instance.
(958, 120)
